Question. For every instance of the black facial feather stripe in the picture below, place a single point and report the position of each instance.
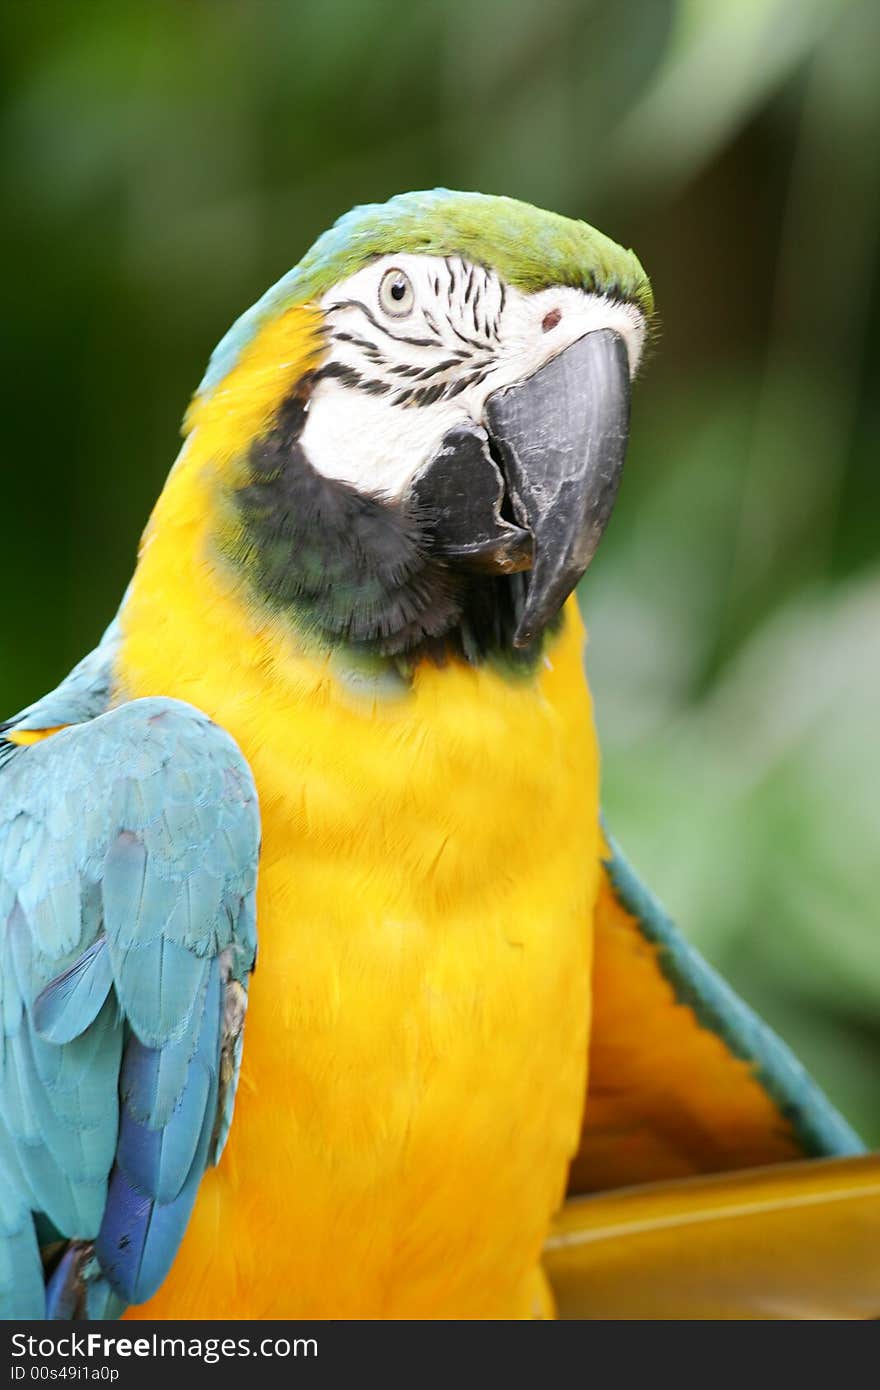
(476, 283)
(368, 348)
(475, 306)
(350, 376)
(361, 571)
(463, 336)
(397, 337)
(446, 365)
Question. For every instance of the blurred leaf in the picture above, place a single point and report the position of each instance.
(726, 58)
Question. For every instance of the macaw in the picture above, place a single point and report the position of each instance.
(343, 710)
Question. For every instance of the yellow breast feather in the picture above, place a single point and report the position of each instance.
(419, 1013)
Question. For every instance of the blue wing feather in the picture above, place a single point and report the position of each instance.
(66, 1007)
(128, 856)
(139, 1238)
(21, 1271)
(157, 1159)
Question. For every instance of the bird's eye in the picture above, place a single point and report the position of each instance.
(396, 294)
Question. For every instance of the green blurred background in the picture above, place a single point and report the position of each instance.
(164, 162)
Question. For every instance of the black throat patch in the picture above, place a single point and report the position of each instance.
(362, 571)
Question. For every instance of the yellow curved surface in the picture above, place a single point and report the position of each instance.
(799, 1240)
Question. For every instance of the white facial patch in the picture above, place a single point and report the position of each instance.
(396, 380)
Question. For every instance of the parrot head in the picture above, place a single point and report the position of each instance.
(429, 416)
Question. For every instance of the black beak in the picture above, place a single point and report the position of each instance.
(556, 444)
(561, 438)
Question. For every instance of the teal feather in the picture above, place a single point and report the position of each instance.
(157, 1160)
(102, 1303)
(197, 917)
(151, 1093)
(158, 984)
(138, 899)
(128, 854)
(21, 1273)
(157, 1173)
(66, 1007)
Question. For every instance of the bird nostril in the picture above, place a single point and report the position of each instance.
(550, 320)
